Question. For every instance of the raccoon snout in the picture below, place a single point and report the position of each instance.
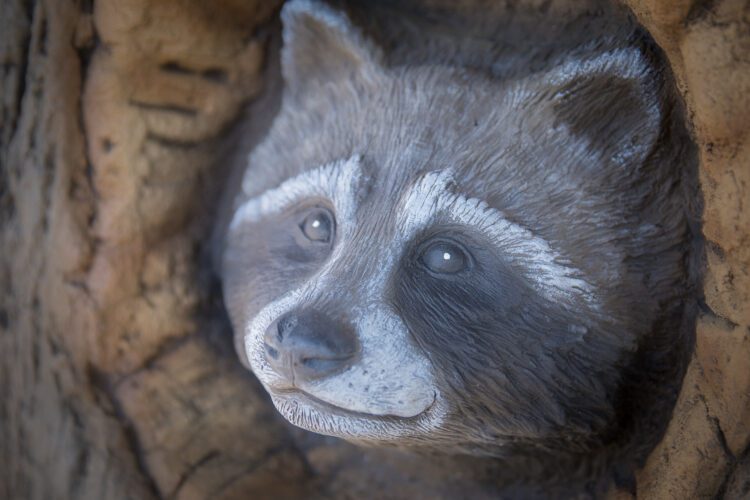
(308, 345)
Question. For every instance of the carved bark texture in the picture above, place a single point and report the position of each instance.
(117, 373)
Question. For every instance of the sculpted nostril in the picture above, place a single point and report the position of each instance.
(272, 352)
(308, 345)
(322, 366)
(311, 360)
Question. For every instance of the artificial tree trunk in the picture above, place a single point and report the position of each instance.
(118, 379)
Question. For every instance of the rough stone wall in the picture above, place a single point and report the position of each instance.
(708, 45)
(117, 376)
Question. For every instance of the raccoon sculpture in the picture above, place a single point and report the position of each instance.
(437, 257)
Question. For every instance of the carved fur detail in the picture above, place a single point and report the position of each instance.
(564, 345)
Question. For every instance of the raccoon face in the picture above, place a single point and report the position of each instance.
(332, 350)
(431, 257)
(344, 351)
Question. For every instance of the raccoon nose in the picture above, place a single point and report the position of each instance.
(309, 345)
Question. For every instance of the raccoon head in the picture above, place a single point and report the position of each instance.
(431, 256)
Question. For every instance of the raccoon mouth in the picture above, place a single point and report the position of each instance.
(306, 399)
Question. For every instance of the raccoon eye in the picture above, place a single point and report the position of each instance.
(445, 258)
(318, 226)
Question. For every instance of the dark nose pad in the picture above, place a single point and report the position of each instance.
(308, 345)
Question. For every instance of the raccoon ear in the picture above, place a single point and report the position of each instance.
(612, 100)
(321, 43)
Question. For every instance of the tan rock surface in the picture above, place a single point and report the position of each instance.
(708, 45)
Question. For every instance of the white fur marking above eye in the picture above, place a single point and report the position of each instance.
(335, 181)
(431, 198)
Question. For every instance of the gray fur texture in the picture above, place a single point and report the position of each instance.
(559, 348)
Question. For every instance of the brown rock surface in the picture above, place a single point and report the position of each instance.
(708, 45)
(117, 375)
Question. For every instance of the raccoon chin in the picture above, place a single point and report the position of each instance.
(312, 414)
